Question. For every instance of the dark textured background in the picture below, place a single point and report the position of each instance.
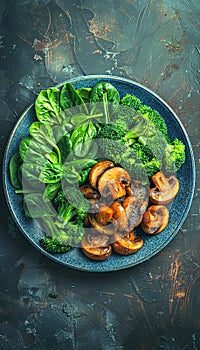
(155, 305)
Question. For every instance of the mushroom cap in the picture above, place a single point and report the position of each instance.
(155, 219)
(134, 209)
(119, 214)
(166, 188)
(113, 182)
(89, 192)
(97, 170)
(95, 246)
(104, 215)
(128, 244)
(108, 230)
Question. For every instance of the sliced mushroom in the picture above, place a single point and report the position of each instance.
(119, 214)
(95, 246)
(109, 229)
(113, 183)
(140, 191)
(166, 188)
(97, 170)
(105, 214)
(134, 209)
(155, 219)
(89, 192)
(128, 244)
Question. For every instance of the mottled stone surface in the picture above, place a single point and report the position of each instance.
(156, 304)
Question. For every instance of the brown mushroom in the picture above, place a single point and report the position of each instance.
(95, 246)
(97, 170)
(109, 229)
(119, 214)
(113, 183)
(134, 209)
(104, 215)
(155, 219)
(89, 192)
(128, 244)
(166, 188)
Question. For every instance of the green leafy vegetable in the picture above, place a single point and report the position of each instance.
(14, 164)
(43, 133)
(81, 138)
(51, 173)
(70, 97)
(47, 106)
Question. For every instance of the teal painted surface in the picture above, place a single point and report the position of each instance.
(151, 306)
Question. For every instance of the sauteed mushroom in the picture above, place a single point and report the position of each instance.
(155, 219)
(128, 244)
(95, 246)
(97, 170)
(134, 209)
(104, 215)
(89, 192)
(119, 214)
(109, 229)
(166, 188)
(113, 183)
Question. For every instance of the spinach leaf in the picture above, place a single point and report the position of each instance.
(52, 157)
(84, 93)
(81, 117)
(51, 191)
(107, 94)
(70, 97)
(43, 133)
(35, 207)
(30, 176)
(70, 174)
(47, 106)
(81, 138)
(51, 173)
(65, 146)
(14, 166)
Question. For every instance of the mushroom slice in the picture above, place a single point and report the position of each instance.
(105, 214)
(134, 209)
(119, 214)
(95, 246)
(166, 188)
(109, 229)
(140, 191)
(97, 170)
(113, 183)
(89, 192)
(155, 219)
(127, 245)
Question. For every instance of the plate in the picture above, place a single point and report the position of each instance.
(152, 244)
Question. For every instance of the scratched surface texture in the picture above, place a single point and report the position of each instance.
(155, 305)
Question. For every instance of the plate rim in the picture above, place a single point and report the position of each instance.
(157, 249)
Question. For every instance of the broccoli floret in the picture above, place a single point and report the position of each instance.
(141, 127)
(152, 167)
(114, 150)
(123, 116)
(174, 156)
(142, 151)
(53, 245)
(158, 121)
(74, 196)
(131, 101)
(111, 131)
(156, 144)
(155, 118)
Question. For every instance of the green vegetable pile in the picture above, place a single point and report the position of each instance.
(74, 129)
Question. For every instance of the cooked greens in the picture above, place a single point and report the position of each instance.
(75, 128)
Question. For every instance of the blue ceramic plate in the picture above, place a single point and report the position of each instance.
(152, 244)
